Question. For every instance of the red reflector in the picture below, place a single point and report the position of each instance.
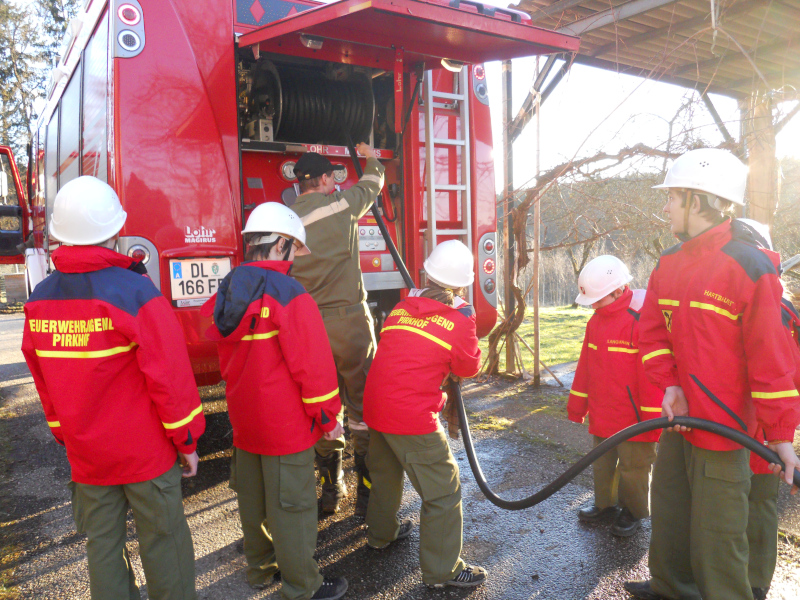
(479, 71)
(488, 266)
(129, 14)
(138, 254)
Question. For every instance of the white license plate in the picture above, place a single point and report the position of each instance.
(194, 280)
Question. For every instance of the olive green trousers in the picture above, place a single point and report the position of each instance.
(622, 476)
(351, 334)
(762, 529)
(165, 543)
(700, 505)
(433, 472)
(278, 507)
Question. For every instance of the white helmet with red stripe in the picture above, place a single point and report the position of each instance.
(600, 277)
(86, 211)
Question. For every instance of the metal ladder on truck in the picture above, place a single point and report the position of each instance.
(459, 98)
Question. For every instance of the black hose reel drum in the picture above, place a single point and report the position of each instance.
(305, 105)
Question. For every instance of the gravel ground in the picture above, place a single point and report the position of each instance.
(543, 552)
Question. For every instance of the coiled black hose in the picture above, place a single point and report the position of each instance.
(732, 434)
(313, 106)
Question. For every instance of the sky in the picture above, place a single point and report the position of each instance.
(594, 109)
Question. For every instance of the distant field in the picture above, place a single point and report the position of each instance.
(562, 329)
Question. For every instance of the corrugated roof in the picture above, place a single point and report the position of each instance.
(675, 41)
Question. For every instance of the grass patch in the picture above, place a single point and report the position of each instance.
(561, 335)
(490, 423)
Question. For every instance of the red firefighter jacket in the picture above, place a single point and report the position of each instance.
(609, 382)
(422, 341)
(790, 320)
(711, 323)
(109, 360)
(275, 356)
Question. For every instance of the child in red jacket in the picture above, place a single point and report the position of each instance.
(610, 386)
(427, 337)
(282, 398)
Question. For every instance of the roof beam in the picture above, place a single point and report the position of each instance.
(653, 34)
(539, 14)
(528, 109)
(717, 119)
(759, 52)
(612, 15)
(608, 65)
(770, 75)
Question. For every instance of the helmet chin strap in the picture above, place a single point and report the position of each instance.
(687, 203)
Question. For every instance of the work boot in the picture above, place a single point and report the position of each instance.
(760, 593)
(364, 485)
(331, 589)
(642, 590)
(625, 525)
(594, 513)
(471, 576)
(331, 477)
(406, 527)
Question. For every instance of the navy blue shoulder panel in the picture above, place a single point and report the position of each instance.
(467, 310)
(121, 288)
(754, 262)
(282, 287)
(668, 251)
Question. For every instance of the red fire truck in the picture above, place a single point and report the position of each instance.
(196, 111)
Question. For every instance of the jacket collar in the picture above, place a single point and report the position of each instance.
(711, 239)
(85, 259)
(620, 304)
(281, 266)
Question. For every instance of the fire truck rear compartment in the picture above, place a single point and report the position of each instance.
(304, 101)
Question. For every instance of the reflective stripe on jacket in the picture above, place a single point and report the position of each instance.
(711, 324)
(275, 356)
(609, 382)
(109, 360)
(421, 342)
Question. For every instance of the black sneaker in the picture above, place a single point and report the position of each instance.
(470, 576)
(595, 513)
(642, 590)
(625, 525)
(406, 527)
(331, 589)
(760, 593)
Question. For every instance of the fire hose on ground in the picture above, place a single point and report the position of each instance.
(576, 469)
(661, 423)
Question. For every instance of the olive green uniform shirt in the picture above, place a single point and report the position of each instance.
(332, 273)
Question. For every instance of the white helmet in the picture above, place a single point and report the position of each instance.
(450, 264)
(86, 212)
(276, 220)
(710, 170)
(760, 229)
(600, 277)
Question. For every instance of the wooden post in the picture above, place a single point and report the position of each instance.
(508, 191)
(537, 220)
(759, 139)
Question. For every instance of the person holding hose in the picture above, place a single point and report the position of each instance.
(610, 386)
(282, 398)
(426, 338)
(109, 361)
(710, 337)
(332, 275)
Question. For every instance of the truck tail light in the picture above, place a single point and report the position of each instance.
(479, 72)
(488, 266)
(129, 14)
(140, 253)
(488, 285)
